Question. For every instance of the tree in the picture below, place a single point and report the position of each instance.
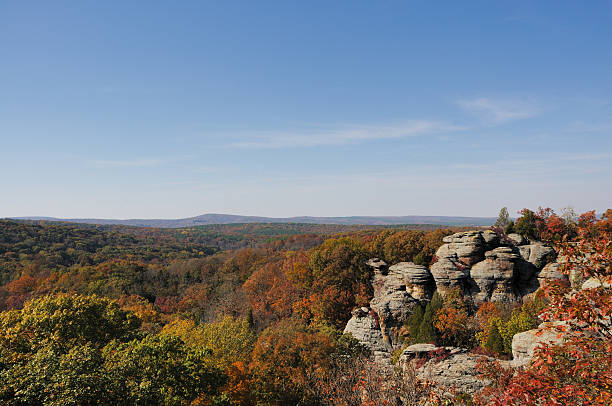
(86, 350)
(285, 359)
(577, 370)
(495, 341)
(160, 369)
(427, 332)
(502, 219)
(414, 323)
(526, 224)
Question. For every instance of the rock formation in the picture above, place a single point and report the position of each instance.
(451, 369)
(493, 277)
(484, 268)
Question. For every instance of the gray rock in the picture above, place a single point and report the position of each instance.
(417, 279)
(364, 327)
(524, 344)
(449, 273)
(493, 276)
(538, 254)
(517, 239)
(551, 272)
(392, 301)
(468, 247)
(491, 239)
(593, 283)
(451, 369)
(377, 264)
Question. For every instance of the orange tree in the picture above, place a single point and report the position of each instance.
(577, 371)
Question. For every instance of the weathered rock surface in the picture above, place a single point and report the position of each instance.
(593, 282)
(452, 369)
(551, 272)
(417, 278)
(449, 273)
(364, 327)
(517, 239)
(393, 299)
(537, 254)
(524, 344)
(467, 246)
(493, 277)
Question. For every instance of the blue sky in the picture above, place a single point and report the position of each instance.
(155, 109)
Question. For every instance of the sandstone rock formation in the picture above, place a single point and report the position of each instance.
(364, 327)
(493, 277)
(551, 272)
(452, 369)
(480, 264)
(396, 291)
(524, 344)
(517, 239)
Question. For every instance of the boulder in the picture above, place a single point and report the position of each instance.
(493, 277)
(392, 302)
(594, 282)
(537, 254)
(551, 272)
(468, 247)
(417, 278)
(524, 344)
(451, 369)
(517, 239)
(491, 239)
(449, 273)
(364, 327)
(377, 265)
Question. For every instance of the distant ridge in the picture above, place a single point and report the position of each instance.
(212, 218)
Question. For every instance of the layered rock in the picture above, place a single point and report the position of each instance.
(449, 273)
(525, 343)
(493, 277)
(364, 327)
(537, 254)
(396, 292)
(468, 247)
(451, 369)
(417, 278)
(551, 272)
(517, 239)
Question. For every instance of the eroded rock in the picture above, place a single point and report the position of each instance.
(364, 327)
(493, 277)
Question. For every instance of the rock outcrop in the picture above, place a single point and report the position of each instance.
(481, 265)
(524, 344)
(364, 327)
(493, 277)
(396, 291)
(551, 272)
(450, 368)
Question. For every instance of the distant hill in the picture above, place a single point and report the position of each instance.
(207, 219)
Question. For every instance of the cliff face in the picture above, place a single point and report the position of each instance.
(478, 263)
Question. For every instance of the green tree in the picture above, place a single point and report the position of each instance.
(495, 341)
(526, 225)
(414, 323)
(427, 332)
(502, 219)
(160, 369)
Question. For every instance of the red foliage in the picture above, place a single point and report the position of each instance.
(578, 370)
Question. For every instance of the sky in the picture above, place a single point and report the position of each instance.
(157, 109)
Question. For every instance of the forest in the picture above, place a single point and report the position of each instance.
(253, 314)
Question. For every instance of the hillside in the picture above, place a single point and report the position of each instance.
(213, 218)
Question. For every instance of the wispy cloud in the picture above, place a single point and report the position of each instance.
(495, 112)
(343, 136)
(135, 163)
